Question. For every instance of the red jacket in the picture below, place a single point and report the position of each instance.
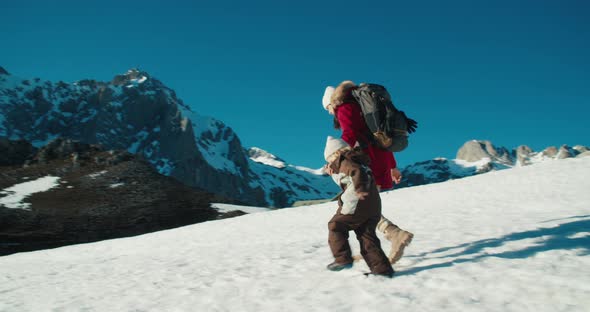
(354, 129)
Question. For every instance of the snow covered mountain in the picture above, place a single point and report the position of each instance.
(477, 157)
(138, 113)
(484, 243)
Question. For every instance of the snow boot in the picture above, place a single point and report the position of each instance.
(335, 266)
(399, 239)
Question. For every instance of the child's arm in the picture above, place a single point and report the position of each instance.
(361, 177)
(357, 183)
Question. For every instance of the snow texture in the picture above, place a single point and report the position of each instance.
(247, 209)
(97, 174)
(15, 195)
(260, 156)
(510, 240)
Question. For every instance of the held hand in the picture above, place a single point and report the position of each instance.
(362, 195)
(328, 170)
(396, 175)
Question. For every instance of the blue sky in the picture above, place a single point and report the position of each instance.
(512, 72)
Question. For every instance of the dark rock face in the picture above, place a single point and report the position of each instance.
(100, 195)
(13, 153)
(3, 71)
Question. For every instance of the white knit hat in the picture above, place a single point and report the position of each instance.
(327, 96)
(333, 145)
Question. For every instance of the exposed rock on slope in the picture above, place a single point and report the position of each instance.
(95, 195)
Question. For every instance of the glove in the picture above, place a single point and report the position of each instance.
(412, 125)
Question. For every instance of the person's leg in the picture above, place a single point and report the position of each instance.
(338, 239)
(371, 248)
(399, 238)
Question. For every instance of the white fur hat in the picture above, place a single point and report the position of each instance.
(327, 96)
(333, 145)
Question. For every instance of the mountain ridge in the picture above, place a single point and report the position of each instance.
(482, 156)
(138, 113)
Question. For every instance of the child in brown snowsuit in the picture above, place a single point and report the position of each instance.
(359, 209)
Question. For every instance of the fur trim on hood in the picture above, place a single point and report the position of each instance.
(342, 93)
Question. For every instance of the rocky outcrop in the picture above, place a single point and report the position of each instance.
(523, 153)
(99, 194)
(564, 152)
(477, 151)
(473, 151)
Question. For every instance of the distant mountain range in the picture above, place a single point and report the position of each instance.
(137, 113)
(477, 157)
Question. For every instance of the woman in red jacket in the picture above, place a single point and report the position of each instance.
(349, 118)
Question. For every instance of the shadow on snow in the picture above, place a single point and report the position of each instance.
(561, 237)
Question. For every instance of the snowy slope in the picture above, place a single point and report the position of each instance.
(511, 240)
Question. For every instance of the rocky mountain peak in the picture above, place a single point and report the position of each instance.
(523, 153)
(262, 156)
(564, 152)
(581, 149)
(475, 150)
(3, 71)
(550, 151)
(133, 76)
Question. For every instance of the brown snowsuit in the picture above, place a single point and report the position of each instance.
(357, 213)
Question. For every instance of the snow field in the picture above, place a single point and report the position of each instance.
(514, 240)
(14, 195)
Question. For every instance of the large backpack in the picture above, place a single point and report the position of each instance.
(389, 126)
